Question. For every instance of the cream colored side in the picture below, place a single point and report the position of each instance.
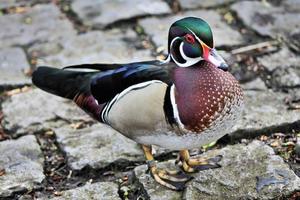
(139, 112)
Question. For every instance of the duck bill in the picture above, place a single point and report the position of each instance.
(213, 57)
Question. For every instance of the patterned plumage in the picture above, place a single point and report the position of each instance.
(181, 103)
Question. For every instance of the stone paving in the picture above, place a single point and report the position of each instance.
(13, 56)
(29, 26)
(270, 20)
(96, 162)
(22, 161)
(99, 13)
(98, 47)
(103, 190)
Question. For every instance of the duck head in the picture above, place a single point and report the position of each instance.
(190, 41)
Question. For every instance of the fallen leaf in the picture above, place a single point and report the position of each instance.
(3, 136)
(50, 188)
(2, 172)
(28, 20)
(279, 134)
(66, 8)
(139, 29)
(288, 144)
(77, 125)
(49, 133)
(229, 18)
(205, 147)
(263, 138)
(17, 91)
(146, 44)
(57, 193)
(125, 178)
(275, 144)
(160, 57)
(20, 9)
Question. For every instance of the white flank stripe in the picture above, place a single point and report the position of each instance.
(174, 106)
(105, 111)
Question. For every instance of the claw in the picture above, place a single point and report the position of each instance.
(173, 181)
(210, 163)
(206, 167)
(216, 159)
(198, 164)
(179, 186)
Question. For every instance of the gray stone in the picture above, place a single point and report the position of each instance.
(97, 146)
(256, 84)
(292, 5)
(223, 34)
(265, 109)
(284, 66)
(154, 190)
(4, 4)
(294, 95)
(13, 64)
(266, 19)
(25, 112)
(22, 161)
(188, 4)
(101, 13)
(101, 190)
(29, 27)
(295, 40)
(283, 58)
(12, 3)
(286, 77)
(250, 171)
(92, 47)
(25, 197)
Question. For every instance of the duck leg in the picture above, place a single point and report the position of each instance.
(198, 164)
(174, 180)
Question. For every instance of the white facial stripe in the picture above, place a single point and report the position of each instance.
(182, 52)
(198, 39)
(170, 54)
(189, 61)
(173, 41)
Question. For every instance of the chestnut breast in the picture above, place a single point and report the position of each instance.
(205, 93)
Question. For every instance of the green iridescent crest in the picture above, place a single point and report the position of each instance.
(200, 27)
(186, 39)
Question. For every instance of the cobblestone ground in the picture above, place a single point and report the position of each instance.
(49, 149)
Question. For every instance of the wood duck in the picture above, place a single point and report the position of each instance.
(181, 103)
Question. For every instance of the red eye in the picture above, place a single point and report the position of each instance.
(189, 38)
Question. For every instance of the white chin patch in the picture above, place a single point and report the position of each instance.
(188, 61)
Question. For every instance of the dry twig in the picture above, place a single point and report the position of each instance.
(254, 47)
